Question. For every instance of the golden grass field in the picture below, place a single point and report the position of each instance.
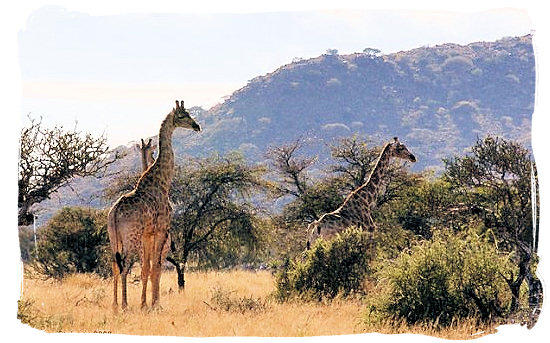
(231, 303)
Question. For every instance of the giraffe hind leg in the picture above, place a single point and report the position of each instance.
(123, 276)
(116, 273)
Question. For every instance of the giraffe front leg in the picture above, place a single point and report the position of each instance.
(156, 265)
(145, 270)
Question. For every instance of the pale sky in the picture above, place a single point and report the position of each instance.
(114, 72)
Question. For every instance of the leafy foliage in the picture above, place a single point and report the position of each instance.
(424, 204)
(214, 222)
(75, 240)
(330, 268)
(500, 180)
(445, 278)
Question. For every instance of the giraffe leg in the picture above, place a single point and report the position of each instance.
(123, 276)
(145, 271)
(116, 273)
(156, 265)
(371, 226)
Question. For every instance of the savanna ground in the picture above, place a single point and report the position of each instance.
(230, 303)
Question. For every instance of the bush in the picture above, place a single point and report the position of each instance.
(329, 268)
(74, 240)
(446, 278)
(222, 299)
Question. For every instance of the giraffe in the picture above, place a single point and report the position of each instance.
(356, 208)
(147, 151)
(138, 221)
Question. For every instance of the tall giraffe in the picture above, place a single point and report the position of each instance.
(356, 208)
(138, 221)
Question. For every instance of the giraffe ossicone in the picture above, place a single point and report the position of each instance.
(138, 222)
(356, 208)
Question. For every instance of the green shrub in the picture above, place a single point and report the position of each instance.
(329, 268)
(74, 240)
(446, 278)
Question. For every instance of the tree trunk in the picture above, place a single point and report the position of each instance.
(180, 271)
(535, 290)
(515, 285)
(181, 277)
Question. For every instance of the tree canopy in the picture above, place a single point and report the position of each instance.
(50, 157)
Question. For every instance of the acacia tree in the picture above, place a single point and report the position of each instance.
(500, 180)
(50, 157)
(354, 160)
(291, 168)
(213, 220)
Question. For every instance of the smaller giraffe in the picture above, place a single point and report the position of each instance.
(147, 159)
(356, 208)
(147, 153)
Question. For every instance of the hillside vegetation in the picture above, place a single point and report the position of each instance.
(437, 99)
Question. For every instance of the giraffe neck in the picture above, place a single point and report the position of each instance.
(144, 160)
(161, 172)
(370, 190)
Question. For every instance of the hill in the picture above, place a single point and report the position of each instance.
(437, 100)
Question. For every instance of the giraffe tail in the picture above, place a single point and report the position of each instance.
(115, 239)
(118, 259)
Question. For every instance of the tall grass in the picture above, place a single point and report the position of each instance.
(233, 303)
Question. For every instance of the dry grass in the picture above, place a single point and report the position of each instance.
(235, 303)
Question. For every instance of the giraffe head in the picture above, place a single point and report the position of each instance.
(183, 119)
(399, 150)
(147, 151)
(325, 226)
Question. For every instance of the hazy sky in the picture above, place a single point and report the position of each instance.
(115, 72)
